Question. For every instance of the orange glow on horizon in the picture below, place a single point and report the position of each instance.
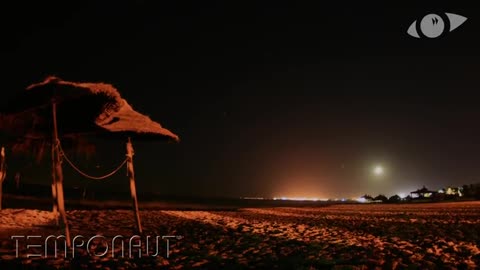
(314, 199)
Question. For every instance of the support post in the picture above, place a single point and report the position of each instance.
(59, 177)
(54, 184)
(3, 173)
(133, 190)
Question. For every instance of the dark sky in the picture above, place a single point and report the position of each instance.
(269, 99)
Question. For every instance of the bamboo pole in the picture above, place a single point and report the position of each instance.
(3, 173)
(133, 190)
(59, 177)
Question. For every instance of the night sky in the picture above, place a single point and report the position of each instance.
(269, 99)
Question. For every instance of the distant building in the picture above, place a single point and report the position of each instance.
(423, 193)
(451, 192)
(454, 191)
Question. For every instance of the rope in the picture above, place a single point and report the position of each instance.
(62, 154)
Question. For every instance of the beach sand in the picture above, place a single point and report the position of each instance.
(353, 236)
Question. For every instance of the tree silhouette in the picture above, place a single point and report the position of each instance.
(367, 197)
(395, 198)
(381, 197)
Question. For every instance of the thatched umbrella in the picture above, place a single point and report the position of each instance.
(82, 108)
(56, 110)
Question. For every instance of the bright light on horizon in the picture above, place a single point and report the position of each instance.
(300, 199)
(361, 200)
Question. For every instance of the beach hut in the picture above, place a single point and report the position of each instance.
(423, 193)
(53, 111)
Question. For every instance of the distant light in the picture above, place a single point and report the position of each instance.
(378, 170)
(402, 195)
(362, 200)
(314, 199)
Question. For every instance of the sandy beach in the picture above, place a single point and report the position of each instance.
(360, 236)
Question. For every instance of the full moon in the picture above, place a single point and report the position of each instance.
(378, 170)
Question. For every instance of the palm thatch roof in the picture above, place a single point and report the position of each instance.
(82, 108)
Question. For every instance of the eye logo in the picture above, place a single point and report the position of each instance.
(433, 25)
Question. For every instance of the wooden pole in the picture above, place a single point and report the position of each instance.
(3, 173)
(133, 190)
(54, 184)
(59, 177)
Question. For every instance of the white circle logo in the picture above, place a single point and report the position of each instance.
(432, 25)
